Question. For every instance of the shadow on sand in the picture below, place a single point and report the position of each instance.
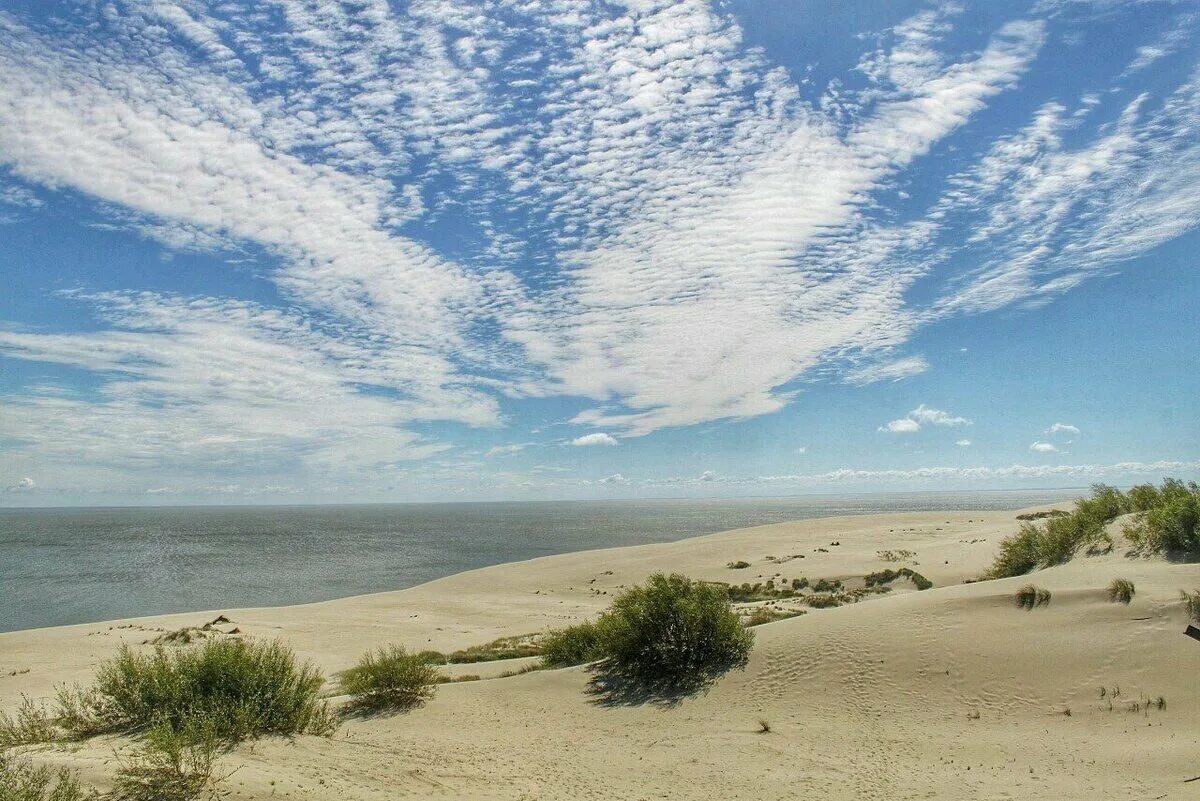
(611, 686)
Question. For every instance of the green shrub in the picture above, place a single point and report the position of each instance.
(1030, 596)
(673, 631)
(799, 584)
(244, 688)
(390, 678)
(1120, 591)
(175, 763)
(823, 601)
(574, 645)
(1143, 497)
(21, 781)
(1173, 526)
(32, 724)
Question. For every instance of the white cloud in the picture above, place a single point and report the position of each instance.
(1062, 428)
(1043, 447)
(803, 449)
(599, 438)
(708, 475)
(963, 443)
(924, 415)
(22, 485)
(615, 478)
(904, 425)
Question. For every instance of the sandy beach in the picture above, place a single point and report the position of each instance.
(952, 692)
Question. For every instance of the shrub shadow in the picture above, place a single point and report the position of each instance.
(611, 686)
(368, 708)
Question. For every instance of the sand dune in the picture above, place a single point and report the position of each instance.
(947, 693)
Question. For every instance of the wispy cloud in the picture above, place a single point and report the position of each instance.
(1063, 428)
(1043, 447)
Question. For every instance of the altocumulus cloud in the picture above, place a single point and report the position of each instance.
(616, 162)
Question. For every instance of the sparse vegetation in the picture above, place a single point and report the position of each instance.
(674, 631)
(21, 781)
(32, 724)
(517, 647)
(390, 678)
(173, 764)
(574, 645)
(895, 556)
(1042, 515)
(738, 565)
(1120, 591)
(1030, 596)
(764, 727)
(244, 689)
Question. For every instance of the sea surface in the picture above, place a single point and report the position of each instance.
(64, 566)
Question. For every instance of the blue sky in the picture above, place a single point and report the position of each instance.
(534, 249)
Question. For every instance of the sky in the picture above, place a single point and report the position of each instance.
(264, 251)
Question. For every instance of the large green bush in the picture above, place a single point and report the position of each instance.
(239, 688)
(673, 630)
(391, 678)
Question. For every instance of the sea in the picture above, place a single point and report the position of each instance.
(80, 565)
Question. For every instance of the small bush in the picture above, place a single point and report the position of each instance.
(738, 565)
(21, 781)
(764, 615)
(1030, 596)
(825, 585)
(32, 724)
(1120, 591)
(244, 688)
(823, 601)
(887, 576)
(673, 631)
(1171, 527)
(174, 764)
(574, 645)
(390, 678)
(1191, 604)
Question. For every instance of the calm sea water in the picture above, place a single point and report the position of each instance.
(62, 566)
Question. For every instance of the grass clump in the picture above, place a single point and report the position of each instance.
(173, 764)
(574, 645)
(674, 631)
(1120, 591)
(244, 689)
(1030, 596)
(21, 781)
(390, 678)
(31, 724)
(738, 565)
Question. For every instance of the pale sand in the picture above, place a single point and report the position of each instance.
(873, 700)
